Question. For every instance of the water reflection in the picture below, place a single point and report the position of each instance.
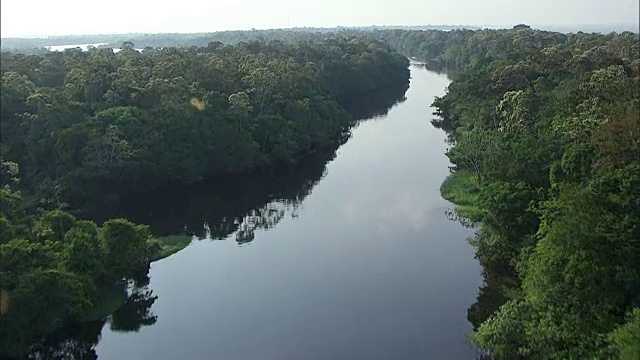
(135, 312)
(242, 204)
(499, 281)
(371, 269)
(78, 340)
(218, 208)
(73, 342)
(377, 104)
(454, 215)
(212, 209)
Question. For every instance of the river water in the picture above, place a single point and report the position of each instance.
(351, 257)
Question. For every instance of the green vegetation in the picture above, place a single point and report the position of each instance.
(56, 269)
(626, 338)
(549, 126)
(544, 133)
(82, 124)
(89, 127)
(462, 189)
(109, 298)
(166, 246)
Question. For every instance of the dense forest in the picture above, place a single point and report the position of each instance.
(56, 269)
(543, 129)
(248, 203)
(257, 201)
(81, 129)
(80, 123)
(544, 133)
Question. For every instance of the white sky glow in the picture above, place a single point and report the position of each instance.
(64, 17)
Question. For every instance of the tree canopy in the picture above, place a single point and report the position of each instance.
(548, 124)
(89, 126)
(544, 140)
(82, 123)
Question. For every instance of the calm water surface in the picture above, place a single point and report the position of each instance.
(359, 262)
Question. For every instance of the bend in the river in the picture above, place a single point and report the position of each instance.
(363, 262)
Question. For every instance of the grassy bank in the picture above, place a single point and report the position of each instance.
(462, 189)
(168, 245)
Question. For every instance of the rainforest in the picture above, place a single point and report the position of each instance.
(115, 163)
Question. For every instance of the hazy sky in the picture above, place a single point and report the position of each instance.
(62, 17)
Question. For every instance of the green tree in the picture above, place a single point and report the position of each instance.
(126, 248)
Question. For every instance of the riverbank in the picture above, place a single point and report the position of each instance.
(337, 253)
(165, 246)
(112, 297)
(462, 189)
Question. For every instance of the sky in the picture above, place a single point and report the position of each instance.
(20, 18)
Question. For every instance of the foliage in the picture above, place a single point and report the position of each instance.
(548, 125)
(85, 123)
(52, 265)
(100, 124)
(626, 338)
(543, 129)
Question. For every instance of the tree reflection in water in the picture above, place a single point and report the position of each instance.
(77, 341)
(215, 209)
(135, 312)
(241, 203)
(499, 281)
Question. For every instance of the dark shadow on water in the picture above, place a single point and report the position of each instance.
(78, 340)
(378, 103)
(430, 65)
(242, 203)
(215, 208)
(498, 282)
(219, 207)
(135, 312)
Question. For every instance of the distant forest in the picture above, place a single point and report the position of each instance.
(231, 37)
(195, 39)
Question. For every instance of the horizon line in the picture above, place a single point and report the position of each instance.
(477, 26)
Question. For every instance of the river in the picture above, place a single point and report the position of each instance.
(358, 261)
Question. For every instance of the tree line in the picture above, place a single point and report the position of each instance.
(80, 123)
(544, 132)
(289, 35)
(85, 126)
